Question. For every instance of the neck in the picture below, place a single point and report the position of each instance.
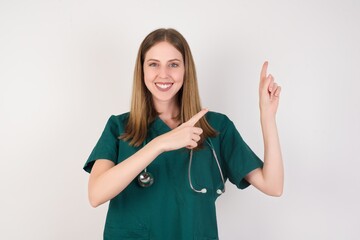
(168, 111)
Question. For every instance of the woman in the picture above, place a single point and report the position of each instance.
(163, 164)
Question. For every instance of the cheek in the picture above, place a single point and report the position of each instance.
(179, 76)
(148, 75)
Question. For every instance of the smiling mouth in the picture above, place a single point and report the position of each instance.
(163, 86)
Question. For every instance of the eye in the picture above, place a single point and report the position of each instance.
(174, 65)
(153, 64)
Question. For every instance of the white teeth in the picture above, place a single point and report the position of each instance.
(163, 86)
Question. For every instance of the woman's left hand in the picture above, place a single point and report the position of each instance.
(269, 92)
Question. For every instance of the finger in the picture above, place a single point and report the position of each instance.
(267, 84)
(197, 130)
(277, 92)
(192, 121)
(264, 70)
(272, 88)
(196, 138)
(270, 81)
(192, 145)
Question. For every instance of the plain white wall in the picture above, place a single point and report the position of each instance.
(66, 66)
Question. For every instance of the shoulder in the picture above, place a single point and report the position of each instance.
(224, 126)
(120, 118)
(218, 120)
(118, 122)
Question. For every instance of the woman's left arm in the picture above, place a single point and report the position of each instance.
(269, 179)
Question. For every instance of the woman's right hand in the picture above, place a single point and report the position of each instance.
(185, 135)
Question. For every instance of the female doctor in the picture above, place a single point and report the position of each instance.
(163, 164)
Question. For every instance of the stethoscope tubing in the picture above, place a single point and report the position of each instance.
(146, 179)
(204, 190)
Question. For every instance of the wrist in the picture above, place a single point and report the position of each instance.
(268, 121)
(156, 145)
(267, 116)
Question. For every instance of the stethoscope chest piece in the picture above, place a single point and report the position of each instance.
(145, 179)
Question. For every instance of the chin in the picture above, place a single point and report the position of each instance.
(164, 99)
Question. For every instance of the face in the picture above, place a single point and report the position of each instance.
(163, 72)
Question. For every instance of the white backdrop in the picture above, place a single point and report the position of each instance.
(66, 66)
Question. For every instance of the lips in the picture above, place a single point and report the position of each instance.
(163, 86)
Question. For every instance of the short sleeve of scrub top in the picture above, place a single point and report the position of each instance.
(107, 145)
(238, 158)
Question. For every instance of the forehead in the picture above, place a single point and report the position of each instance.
(163, 51)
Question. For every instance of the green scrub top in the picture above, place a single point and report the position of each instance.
(170, 209)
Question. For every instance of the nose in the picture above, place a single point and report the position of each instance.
(163, 72)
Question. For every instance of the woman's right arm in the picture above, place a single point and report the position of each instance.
(108, 180)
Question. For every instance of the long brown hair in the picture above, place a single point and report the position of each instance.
(142, 111)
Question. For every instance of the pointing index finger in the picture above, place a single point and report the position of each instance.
(264, 70)
(192, 121)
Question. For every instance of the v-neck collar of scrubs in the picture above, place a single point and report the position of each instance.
(159, 126)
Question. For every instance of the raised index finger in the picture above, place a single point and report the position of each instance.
(264, 70)
(192, 121)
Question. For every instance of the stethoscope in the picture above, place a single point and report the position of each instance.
(146, 179)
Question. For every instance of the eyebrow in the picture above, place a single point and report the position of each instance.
(171, 60)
